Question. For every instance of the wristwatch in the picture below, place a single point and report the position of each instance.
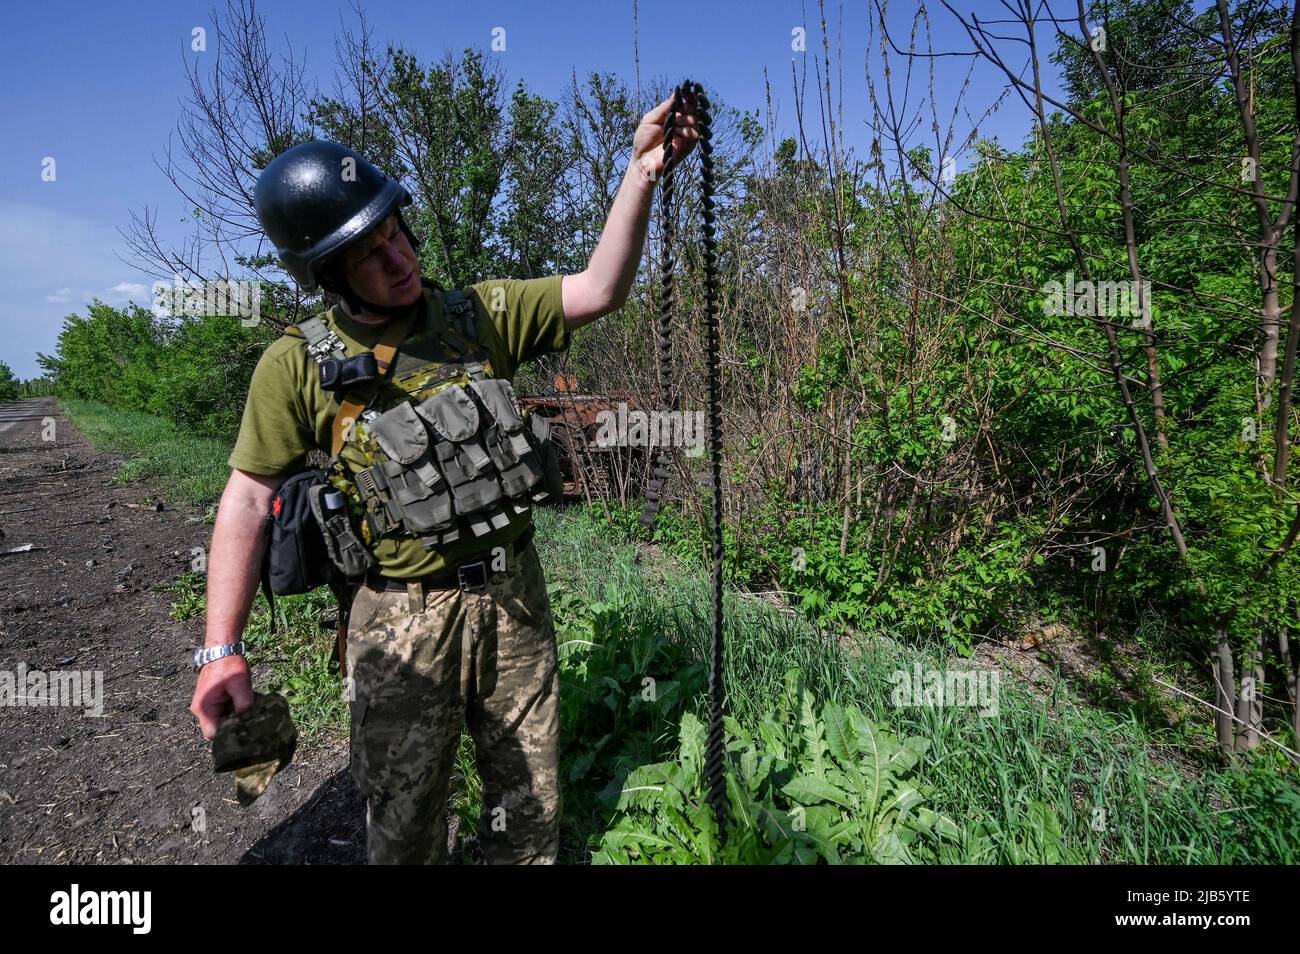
(207, 654)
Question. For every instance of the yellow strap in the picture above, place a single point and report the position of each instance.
(354, 402)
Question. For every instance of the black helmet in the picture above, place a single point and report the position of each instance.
(316, 199)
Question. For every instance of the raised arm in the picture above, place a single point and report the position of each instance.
(607, 280)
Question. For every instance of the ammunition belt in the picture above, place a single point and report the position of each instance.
(715, 752)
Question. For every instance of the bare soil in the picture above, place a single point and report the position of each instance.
(134, 785)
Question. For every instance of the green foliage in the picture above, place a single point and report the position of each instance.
(687, 536)
(624, 686)
(493, 203)
(108, 355)
(36, 387)
(202, 375)
(980, 586)
(190, 591)
(808, 786)
(192, 372)
(8, 383)
(191, 468)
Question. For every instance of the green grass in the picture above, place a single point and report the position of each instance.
(191, 468)
(1121, 790)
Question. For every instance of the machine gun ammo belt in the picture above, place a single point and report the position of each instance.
(715, 759)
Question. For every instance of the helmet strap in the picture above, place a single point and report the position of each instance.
(356, 304)
(410, 236)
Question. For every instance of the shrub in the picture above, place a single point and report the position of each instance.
(8, 383)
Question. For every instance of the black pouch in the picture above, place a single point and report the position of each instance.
(296, 560)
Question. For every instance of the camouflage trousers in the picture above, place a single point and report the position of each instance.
(422, 664)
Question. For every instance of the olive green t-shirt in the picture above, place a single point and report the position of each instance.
(288, 414)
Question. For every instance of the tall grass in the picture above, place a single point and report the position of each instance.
(192, 468)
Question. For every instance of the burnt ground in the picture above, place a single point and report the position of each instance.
(134, 785)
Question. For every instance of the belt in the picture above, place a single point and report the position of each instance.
(470, 574)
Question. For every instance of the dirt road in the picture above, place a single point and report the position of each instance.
(80, 558)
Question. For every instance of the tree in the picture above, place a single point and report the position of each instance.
(1185, 185)
(8, 383)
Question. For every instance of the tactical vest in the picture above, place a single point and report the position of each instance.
(440, 452)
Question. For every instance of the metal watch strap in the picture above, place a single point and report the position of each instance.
(207, 654)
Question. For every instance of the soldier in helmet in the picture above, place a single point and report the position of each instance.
(433, 475)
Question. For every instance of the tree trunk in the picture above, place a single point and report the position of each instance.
(1225, 693)
(1250, 701)
(1270, 325)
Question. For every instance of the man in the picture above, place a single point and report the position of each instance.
(434, 638)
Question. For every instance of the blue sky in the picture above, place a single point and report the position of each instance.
(98, 87)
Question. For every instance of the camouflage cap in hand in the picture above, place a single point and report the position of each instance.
(255, 745)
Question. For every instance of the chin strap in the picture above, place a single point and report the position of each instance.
(356, 304)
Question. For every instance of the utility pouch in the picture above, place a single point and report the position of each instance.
(295, 560)
(401, 434)
(518, 475)
(471, 492)
(341, 543)
(499, 398)
(452, 414)
(506, 444)
(422, 505)
(539, 436)
(454, 417)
